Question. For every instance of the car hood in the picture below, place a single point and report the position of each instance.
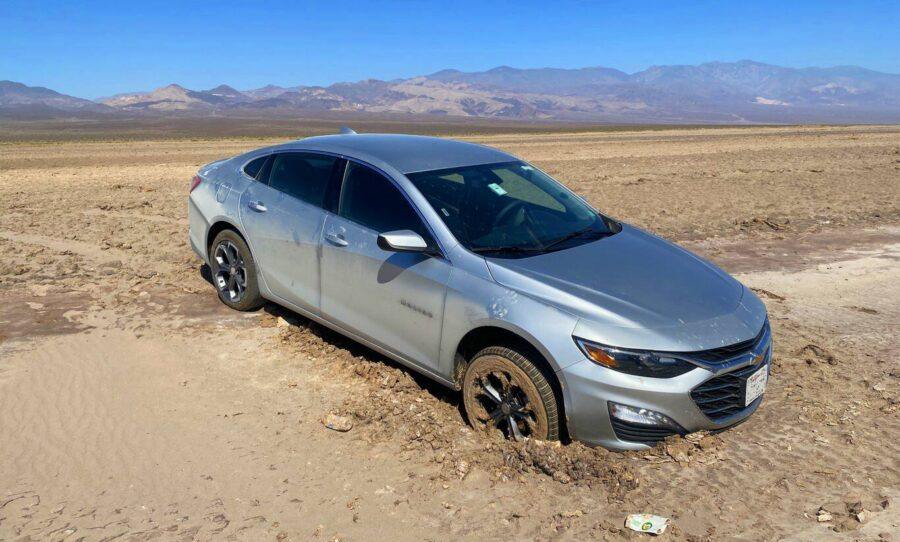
(635, 290)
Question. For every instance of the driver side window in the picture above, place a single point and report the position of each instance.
(370, 199)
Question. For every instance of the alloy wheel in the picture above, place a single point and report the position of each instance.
(501, 400)
(231, 272)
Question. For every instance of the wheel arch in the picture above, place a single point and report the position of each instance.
(220, 225)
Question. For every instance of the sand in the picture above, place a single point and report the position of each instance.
(133, 405)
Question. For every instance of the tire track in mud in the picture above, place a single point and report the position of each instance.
(121, 215)
(108, 259)
(81, 248)
(99, 255)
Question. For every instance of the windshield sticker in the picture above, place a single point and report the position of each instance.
(497, 189)
(527, 168)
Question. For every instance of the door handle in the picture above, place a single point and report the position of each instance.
(336, 239)
(257, 206)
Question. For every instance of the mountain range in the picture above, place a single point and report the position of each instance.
(715, 92)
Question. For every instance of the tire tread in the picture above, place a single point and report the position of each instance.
(252, 299)
(548, 396)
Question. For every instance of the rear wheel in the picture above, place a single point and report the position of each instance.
(503, 390)
(234, 272)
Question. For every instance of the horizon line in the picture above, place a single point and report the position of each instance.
(501, 66)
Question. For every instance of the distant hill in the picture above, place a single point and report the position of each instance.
(715, 92)
(21, 101)
(177, 98)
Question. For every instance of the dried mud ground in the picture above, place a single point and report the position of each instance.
(134, 406)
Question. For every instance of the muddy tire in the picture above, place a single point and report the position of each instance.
(505, 391)
(234, 272)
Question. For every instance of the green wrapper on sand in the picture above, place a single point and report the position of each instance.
(647, 523)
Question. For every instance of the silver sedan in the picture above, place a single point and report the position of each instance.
(480, 271)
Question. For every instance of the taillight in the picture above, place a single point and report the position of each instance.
(195, 182)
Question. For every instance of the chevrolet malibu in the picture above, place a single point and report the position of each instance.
(480, 271)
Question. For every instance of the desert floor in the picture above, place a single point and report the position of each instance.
(133, 405)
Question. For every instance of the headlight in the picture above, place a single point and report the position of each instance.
(634, 362)
(643, 416)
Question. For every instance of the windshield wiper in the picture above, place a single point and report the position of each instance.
(575, 234)
(545, 248)
(506, 250)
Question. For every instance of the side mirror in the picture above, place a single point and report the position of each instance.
(402, 241)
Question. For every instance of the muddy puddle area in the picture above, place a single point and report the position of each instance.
(42, 314)
(788, 253)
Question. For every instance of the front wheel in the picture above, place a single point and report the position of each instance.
(504, 390)
(234, 272)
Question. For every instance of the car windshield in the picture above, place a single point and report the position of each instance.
(510, 209)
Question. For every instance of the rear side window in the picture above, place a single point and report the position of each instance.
(252, 169)
(302, 175)
(370, 199)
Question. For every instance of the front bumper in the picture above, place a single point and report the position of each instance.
(591, 387)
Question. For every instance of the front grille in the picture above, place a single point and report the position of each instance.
(723, 396)
(723, 353)
(645, 434)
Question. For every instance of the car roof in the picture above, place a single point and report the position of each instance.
(405, 153)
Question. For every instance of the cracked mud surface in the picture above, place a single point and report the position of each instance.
(133, 405)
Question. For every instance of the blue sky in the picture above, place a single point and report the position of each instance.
(93, 49)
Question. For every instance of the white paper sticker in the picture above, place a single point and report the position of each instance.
(647, 523)
(497, 189)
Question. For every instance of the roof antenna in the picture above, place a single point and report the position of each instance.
(346, 130)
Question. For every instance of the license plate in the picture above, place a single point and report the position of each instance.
(756, 385)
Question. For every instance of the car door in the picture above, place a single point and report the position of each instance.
(283, 217)
(394, 299)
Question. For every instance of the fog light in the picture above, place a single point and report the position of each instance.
(642, 416)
